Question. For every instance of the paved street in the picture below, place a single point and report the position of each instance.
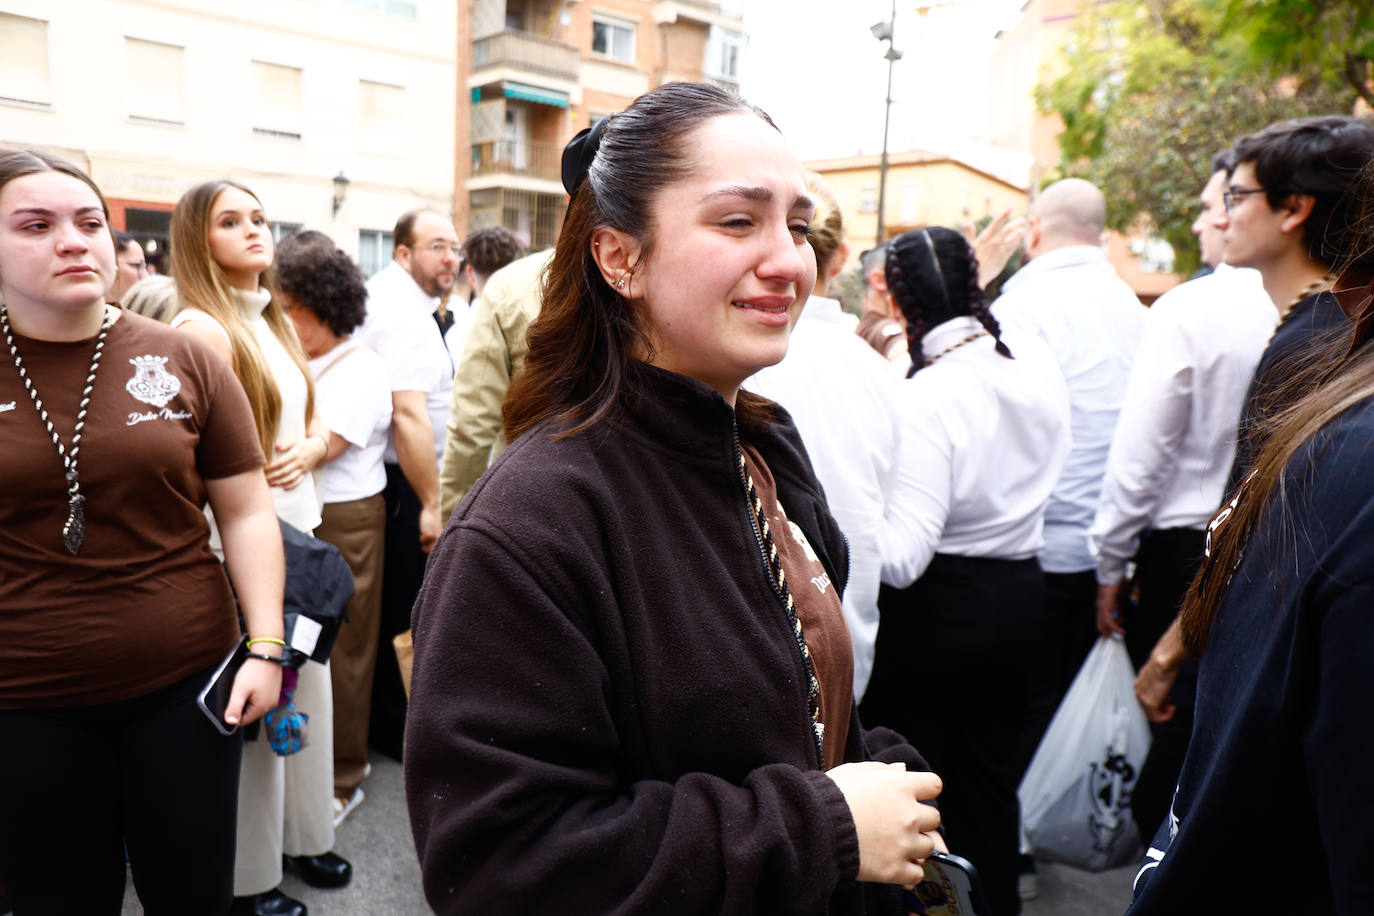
(386, 877)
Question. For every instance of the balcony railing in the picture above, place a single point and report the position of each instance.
(526, 52)
(509, 157)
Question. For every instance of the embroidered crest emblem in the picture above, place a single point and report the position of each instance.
(152, 383)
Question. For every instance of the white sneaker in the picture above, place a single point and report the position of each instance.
(343, 807)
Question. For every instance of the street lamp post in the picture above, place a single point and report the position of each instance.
(883, 32)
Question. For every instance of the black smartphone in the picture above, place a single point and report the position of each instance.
(214, 699)
(951, 888)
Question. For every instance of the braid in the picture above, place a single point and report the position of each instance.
(978, 306)
(915, 321)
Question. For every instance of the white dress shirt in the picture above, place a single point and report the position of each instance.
(1074, 301)
(983, 442)
(400, 328)
(1176, 437)
(839, 392)
(353, 400)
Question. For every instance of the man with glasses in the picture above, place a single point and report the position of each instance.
(400, 325)
(130, 266)
(1290, 205)
(1166, 470)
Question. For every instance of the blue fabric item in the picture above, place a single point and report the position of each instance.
(287, 728)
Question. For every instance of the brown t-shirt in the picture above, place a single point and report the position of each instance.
(144, 603)
(818, 609)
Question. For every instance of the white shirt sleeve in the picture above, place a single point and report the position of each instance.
(351, 399)
(918, 505)
(1149, 432)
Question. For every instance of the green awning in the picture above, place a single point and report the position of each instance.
(527, 93)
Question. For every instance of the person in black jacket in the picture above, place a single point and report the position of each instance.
(632, 686)
(1284, 726)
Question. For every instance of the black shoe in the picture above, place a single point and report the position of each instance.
(328, 870)
(272, 903)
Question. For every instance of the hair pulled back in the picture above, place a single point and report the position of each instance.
(932, 275)
(585, 346)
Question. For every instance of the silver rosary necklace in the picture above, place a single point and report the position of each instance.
(74, 531)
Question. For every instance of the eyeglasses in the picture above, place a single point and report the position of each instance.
(440, 248)
(1234, 194)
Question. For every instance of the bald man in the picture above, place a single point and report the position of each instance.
(1070, 296)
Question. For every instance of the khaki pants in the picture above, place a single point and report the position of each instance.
(358, 529)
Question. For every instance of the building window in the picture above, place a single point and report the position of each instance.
(156, 81)
(405, 9)
(868, 200)
(375, 248)
(381, 115)
(24, 60)
(278, 97)
(723, 53)
(282, 231)
(614, 38)
(911, 203)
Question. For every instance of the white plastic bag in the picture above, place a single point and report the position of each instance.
(1076, 795)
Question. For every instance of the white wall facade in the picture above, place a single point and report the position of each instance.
(280, 95)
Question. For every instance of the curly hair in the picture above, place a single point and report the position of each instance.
(490, 248)
(320, 277)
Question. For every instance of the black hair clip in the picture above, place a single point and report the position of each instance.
(579, 153)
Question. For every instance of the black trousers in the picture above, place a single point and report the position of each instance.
(951, 670)
(1063, 645)
(1165, 565)
(403, 568)
(80, 784)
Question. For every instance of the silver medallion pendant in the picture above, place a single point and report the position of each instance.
(74, 532)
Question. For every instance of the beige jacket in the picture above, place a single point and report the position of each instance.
(494, 352)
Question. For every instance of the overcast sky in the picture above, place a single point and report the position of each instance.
(815, 67)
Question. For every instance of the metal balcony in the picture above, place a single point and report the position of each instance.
(524, 51)
(509, 157)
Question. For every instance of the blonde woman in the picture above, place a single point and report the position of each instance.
(839, 392)
(222, 258)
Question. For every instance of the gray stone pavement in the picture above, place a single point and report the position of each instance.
(386, 875)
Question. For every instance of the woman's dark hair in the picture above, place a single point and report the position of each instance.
(585, 347)
(932, 275)
(1332, 375)
(122, 241)
(1320, 157)
(320, 277)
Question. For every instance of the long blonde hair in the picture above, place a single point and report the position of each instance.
(201, 284)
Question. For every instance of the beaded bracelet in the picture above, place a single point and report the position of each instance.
(274, 641)
(265, 658)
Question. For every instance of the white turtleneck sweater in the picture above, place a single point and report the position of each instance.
(299, 506)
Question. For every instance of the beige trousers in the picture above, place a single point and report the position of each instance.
(286, 804)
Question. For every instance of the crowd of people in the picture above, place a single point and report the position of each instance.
(722, 599)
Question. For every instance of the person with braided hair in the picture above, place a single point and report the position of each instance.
(984, 426)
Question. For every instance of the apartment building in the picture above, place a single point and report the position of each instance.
(541, 70)
(338, 114)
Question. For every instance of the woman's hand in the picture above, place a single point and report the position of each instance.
(895, 829)
(257, 688)
(296, 460)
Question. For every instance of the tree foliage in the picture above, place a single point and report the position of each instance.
(1150, 91)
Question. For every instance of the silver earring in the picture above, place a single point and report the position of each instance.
(620, 282)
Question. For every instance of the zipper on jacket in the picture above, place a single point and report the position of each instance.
(813, 728)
